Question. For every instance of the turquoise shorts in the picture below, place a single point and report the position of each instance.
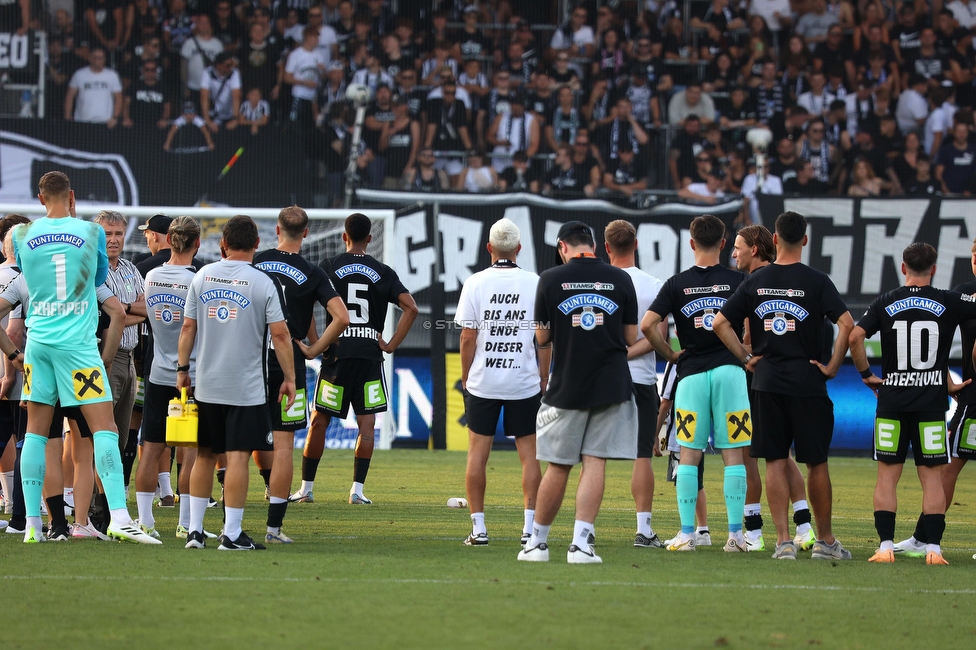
(76, 377)
(718, 399)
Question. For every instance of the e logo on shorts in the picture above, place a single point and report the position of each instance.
(328, 395)
(373, 395)
(739, 426)
(89, 383)
(685, 421)
(887, 433)
(967, 435)
(933, 438)
(297, 411)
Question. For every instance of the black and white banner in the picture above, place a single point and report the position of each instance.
(464, 221)
(859, 242)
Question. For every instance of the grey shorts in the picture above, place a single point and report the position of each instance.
(563, 436)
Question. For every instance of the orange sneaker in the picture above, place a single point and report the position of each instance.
(935, 558)
(886, 557)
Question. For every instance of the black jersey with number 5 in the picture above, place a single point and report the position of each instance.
(916, 325)
(694, 297)
(302, 284)
(368, 287)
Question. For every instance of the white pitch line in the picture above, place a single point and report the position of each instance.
(541, 583)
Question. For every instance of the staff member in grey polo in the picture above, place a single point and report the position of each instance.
(126, 283)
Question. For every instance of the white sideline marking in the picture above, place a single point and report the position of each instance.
(437, 581)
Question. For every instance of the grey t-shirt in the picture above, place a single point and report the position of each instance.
(166, 289)
(233, 304)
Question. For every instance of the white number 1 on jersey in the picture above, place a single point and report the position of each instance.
(60, 275)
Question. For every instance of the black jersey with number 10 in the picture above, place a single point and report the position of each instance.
(916, 325)
(368, 287)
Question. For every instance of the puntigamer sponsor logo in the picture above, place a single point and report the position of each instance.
(165, 299)
(283, 269)
(594, 286)
(715, 288)
(702, 303)
(224, 294)
(925, 304)
(785, 306)
(56, 238)
(587, 300)
(783, 293)
(360, 269)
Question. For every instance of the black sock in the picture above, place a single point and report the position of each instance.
(20, 508)
(934, 527)
(129, 454)
(884, 523)
(801, 516)
(360, 468)
(55, 506)
(266, 475)
(179, 466)
(276, 514)
(919, 533)
(310, 467)
(754, 522)
(220, 475)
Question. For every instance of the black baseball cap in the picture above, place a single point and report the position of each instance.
(157, 223)
(569, 229)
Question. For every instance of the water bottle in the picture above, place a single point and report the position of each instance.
(192, 411)
(175, 409)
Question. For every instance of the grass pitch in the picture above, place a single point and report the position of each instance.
(395, 574)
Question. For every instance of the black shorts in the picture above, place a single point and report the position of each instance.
(72, 413)
(648, 403)
(13, 422)
(482, 414)
(784, 421)
(225, 428)
(925, 430)
(359, 382)
(962, 432)
(155, 410)
(296, 417)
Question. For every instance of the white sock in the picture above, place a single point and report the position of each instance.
(307, 487)
(581, 533)
(540, 535)
(529, 519)
(185, 512)
(144, 502)
(274, 531)
(357, 488)
(121, 517)
(277, 500)
(69, 496)
(800, 505)
(752, 509)
(126, 493)
(702, 529)
(644, 524)
(753, 535)
(198, 508)
(232, 526)
(165, 485)
(803, 529)
(35, 522)
(7, 481)
(933, 548)
(887, 545)
(478, 523)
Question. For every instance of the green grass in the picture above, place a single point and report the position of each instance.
(395, 574)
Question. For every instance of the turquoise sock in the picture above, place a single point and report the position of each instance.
(686, 486)
(735, 495)
(108, 464)
(32, 469)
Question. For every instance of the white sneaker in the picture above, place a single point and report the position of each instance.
(538, 553)
(358, 500)
(43, 508)
(131, 532)
(736, 544)
(82, 531)
(682, 542)
(703, 539)
(577, 555)
(910, 547)
(301, 497)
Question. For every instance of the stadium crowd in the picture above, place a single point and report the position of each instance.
(872, 98)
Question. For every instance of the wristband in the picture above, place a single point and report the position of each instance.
(748, 358)
(185, 368)
(128, 306)
(866, 372)
(13, 355)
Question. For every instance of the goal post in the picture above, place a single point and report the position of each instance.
(324, 241)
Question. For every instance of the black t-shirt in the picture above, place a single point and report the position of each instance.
(449, 120)
(515, 184)
(371, 137)
(968, 330)
(146, 105)
(587, 302)
(368, 287)
(916, 325)
(928, 187)
(812, 188)
(566, 182)
(635, 172)
(958, 165)
(693, 298)
(786, 305)
(259, 67)
(302, 284)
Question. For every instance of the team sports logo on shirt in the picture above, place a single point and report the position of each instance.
(587, 303)
(715, 288)
(706, 307)
(779, 311)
